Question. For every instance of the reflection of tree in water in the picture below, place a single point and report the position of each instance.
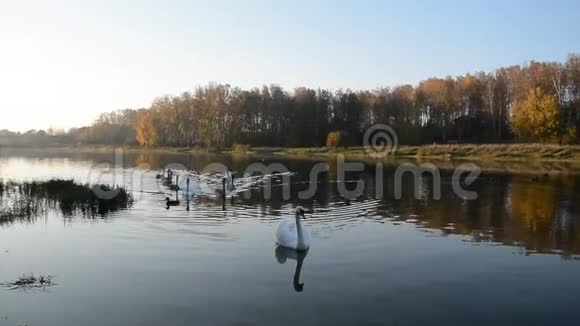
(533, 206)
(538, 212)
(148, 159)
(546, 214)
(25, 201)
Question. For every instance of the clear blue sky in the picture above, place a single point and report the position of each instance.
(61, 63)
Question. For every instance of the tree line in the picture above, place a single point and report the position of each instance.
(538, 102)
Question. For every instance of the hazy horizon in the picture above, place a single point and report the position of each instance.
(63, 64)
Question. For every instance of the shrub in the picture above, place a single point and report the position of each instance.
(333, 139)
(570, 136)
(241, 148)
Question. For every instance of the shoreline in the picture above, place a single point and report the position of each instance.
(459, 152)
(520, 158)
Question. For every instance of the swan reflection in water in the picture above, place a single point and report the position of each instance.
(283, 254)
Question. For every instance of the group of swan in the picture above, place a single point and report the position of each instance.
(290, 234)
(293, 238)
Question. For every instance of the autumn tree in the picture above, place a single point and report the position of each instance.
(537, 116)
(146, 130)
(213, 106)
(480, 107)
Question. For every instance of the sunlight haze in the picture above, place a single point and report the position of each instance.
(63, 63)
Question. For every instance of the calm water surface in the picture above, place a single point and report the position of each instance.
(509, 257)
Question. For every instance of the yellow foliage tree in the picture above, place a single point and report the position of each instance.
(146, 130)
(536, 117)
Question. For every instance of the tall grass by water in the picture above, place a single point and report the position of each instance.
(28, 200)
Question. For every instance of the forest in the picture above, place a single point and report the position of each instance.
(536, 102)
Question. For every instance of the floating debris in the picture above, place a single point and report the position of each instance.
(25, 282)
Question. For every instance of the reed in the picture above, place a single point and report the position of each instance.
(27, 200)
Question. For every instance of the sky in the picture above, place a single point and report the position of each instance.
(64, 62)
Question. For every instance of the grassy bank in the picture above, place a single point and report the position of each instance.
(495, 152)
(470, 152)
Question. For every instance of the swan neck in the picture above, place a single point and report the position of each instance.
(299, 230)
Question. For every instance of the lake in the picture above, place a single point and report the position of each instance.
(510, 256)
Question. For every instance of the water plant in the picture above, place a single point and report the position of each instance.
(27, 200)
(25, 282)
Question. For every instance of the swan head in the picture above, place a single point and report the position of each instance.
(298, 287)
(300, 212)
(167, 199)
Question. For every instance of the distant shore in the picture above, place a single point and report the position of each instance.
(467, 152)
(514, 159)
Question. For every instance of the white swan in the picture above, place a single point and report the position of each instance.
(292, 234)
